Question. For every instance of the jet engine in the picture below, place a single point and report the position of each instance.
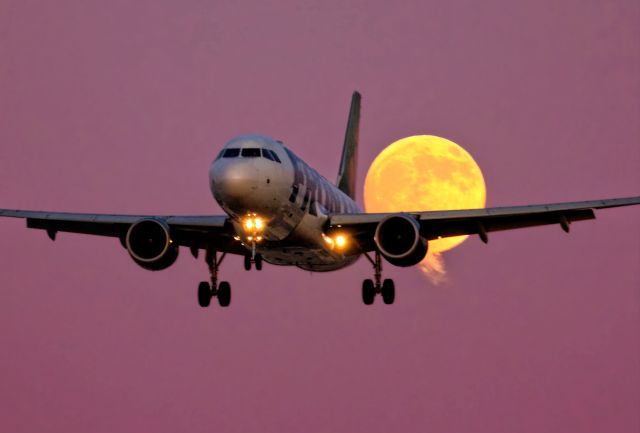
(150, 245)
(399, 241)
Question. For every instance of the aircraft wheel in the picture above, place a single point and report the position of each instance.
(258, 261)
(247, 263)
(224, 294)
(204, 294)
(388, 291)
(368, 292)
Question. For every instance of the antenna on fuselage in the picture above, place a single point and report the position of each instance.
(349, 162)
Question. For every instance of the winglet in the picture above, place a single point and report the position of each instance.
(348, 163)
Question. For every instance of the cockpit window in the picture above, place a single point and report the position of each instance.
(275, 156)
(231, 153)
(267, 154)
(270, 154)
(251, 152)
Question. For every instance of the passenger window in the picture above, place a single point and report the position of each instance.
(231, 153)
(251, 152)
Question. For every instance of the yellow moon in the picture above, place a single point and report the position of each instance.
(425, 172)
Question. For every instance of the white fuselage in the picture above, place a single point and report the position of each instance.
(257, 175)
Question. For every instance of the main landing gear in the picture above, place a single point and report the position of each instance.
(207, 291)
(370, 288)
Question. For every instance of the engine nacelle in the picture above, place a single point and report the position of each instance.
(399, 241)
(150, 245)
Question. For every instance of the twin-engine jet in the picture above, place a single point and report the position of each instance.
(281, 211)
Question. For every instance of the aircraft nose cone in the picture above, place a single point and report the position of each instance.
(235, 182)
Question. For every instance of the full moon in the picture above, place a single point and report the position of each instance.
(424, 173)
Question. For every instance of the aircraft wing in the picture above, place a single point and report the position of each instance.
(195, 232)
(441, 224)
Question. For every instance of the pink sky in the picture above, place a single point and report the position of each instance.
(120, 106)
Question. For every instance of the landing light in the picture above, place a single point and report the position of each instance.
(338, 241)
(253, 226)
(328, 240)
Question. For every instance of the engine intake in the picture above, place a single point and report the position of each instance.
(399, 241)
(150, 245)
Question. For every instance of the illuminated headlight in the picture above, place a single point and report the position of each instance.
(253, 226)
(336, 242)
(257, 223)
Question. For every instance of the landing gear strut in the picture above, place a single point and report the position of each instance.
(370, 288)
(207, 291)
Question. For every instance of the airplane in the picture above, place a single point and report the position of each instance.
(281, 211)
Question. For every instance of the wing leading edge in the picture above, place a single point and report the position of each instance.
(437, 224)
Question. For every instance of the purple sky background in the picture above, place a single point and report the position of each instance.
(120, 107)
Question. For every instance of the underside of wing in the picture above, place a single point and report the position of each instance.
(195, 232)
(439, 224)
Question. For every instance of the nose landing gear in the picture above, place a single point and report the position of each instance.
(257, 260)
(370, 288)
(207, 291)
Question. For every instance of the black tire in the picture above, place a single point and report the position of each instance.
(368, 292)
(388, 291)
(204, 294)
(224, 294)
(258, 262)
(247, 263)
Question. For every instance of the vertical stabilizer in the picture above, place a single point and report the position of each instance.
(349, 162)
